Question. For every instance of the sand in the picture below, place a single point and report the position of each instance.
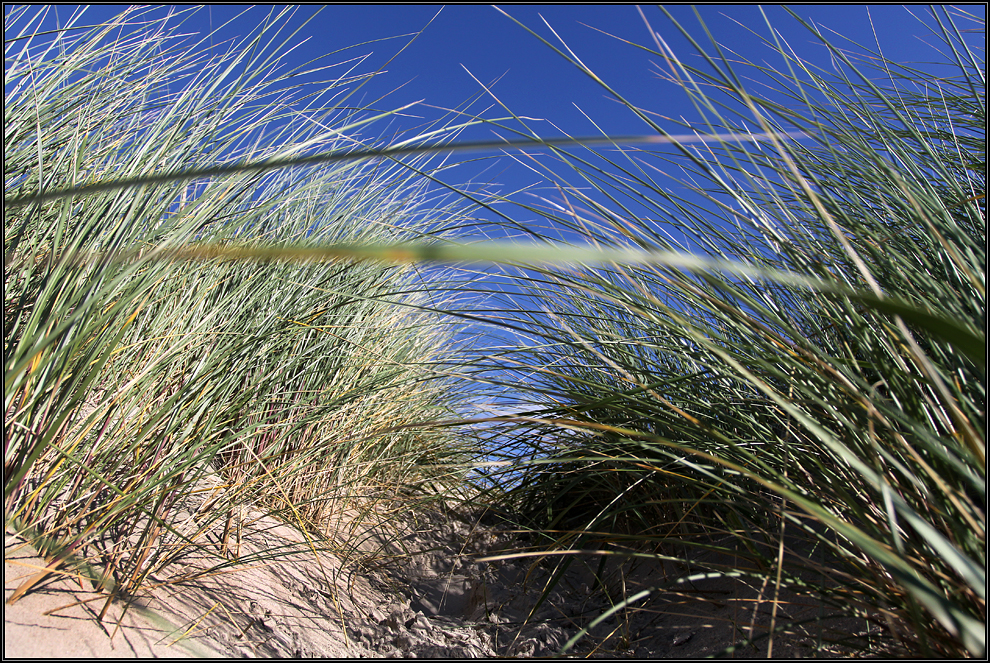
(366, 599)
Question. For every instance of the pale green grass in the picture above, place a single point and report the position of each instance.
(139, 391)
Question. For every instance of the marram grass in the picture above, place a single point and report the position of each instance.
(147, 399)
(686, 411)
(807, 393)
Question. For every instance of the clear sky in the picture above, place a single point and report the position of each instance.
(462, 47)
(535, 81)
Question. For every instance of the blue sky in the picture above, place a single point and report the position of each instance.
(463, 47)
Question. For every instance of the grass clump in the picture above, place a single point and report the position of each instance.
(138, 393)
(834, 444)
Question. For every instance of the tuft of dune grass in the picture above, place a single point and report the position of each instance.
(835, 446)
(143, 394)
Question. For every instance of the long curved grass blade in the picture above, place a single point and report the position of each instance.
(970, 343)
(378, 153)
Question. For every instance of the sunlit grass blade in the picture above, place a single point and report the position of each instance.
(377, 153)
